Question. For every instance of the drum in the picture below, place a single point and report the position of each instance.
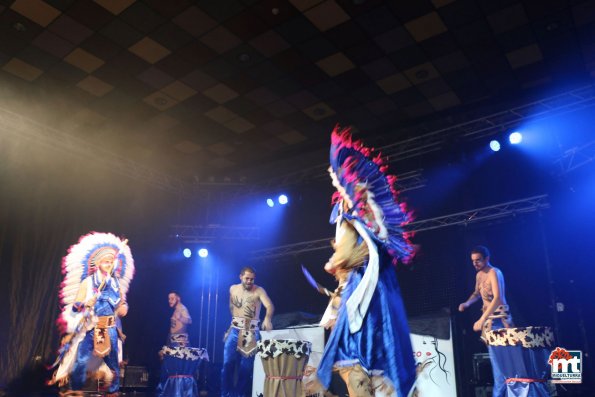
(283, 361)
(521, 355)
(178, 371)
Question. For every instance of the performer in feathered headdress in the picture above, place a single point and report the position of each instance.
(369, 345)
(97, 273)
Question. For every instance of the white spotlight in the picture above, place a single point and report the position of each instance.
(515, 138)
(203, 252)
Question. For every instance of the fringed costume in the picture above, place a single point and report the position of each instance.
(97, 273)
(369, 345)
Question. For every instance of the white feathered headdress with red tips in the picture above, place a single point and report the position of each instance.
(79, 263)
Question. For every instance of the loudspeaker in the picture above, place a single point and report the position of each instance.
(483, 391)
(135, 376)
(482, 369)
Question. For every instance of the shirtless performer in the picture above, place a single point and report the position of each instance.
(180, 319)
(489, 287)
(245, 300)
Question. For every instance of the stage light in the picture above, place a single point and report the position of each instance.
(203, 252)
(495, 145)
(283, 199)
(515, 138)
(270, 203)
(187, 253)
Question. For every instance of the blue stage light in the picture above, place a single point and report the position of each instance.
(283, 199)
(187, 253)
(270, 203)
(515, 138)
(203, 252)
(495, 145)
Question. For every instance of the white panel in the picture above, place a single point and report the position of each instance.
(438, 376)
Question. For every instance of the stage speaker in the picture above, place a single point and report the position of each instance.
(483, 391)
(482, 369)
(135, 377)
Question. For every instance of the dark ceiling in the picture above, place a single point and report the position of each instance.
(226, 87)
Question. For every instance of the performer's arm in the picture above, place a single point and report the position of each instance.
(81, 296)
(183, 316)
(348, 253)
(267, 325)
(493, 280)
(475, 296)
(122, 309)
(231, 300)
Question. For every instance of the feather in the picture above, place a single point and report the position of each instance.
(363, 184)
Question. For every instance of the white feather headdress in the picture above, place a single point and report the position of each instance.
(79, 263)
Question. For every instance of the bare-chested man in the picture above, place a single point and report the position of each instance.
(245, 301)
(180, 319)
(489, 287)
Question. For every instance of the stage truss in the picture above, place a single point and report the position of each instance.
(507, 209)
(36, 133)
(431, 141)
(574, 158)
(210, 233)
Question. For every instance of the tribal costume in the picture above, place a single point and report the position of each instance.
(240, 346)
(501, 318)
(369, 345)
(178, 340)
(90, 301)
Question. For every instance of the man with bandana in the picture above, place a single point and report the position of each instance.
(245, 300)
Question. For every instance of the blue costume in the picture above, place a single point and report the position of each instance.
(104, 308)
(239, 349)
(500, 319)
(369, 345)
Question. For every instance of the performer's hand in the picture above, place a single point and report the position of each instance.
(330, 324)
(122, 310)
(91, 302)
(478, 325)
(329, 268)
(462, 307)
(334, 264)
(267, 325)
